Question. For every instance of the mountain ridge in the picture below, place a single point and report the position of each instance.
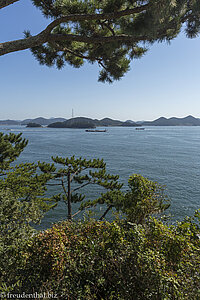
(161, 121)
(173, 121)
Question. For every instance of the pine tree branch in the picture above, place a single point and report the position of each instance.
(91, 17)
(78, 171)
(53, 184)
(94, 40)
(75, 54)
(80, 187)
(46, 35)
(101, 64)
(63, 186)
(107, 26)
(79, 211)
(99, 60)
(105, 213)
(23, 44)
(4, 3)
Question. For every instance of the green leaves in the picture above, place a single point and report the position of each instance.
(15, 229)
(143, 199)
(118, 260)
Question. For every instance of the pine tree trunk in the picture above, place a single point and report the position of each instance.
(69, 197)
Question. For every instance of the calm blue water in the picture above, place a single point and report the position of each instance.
(168, 155)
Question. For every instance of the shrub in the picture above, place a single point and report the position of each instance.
(119, 260)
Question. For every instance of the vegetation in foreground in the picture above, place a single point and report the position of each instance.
(136, 256)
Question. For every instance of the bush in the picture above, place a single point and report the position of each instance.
(15, 230)
(119, 260)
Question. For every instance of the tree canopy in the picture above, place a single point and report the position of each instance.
(109, 32)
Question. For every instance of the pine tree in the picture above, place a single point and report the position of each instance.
(23, 181)
(77, 173)
(142, 199)
(109, 32)
(11, 146)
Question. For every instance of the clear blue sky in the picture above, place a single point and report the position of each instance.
(165, 82)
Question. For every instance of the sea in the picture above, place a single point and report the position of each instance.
(169, 155)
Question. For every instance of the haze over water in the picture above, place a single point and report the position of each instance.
(168, 155)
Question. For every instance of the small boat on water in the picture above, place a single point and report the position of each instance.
(95, 130)
(139, 128)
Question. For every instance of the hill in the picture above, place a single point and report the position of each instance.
(9, 122)
(109, 122)
(82, 122)
(33, 125)
(79, 122)
(130, 124)
(42, 121)
(186, 121)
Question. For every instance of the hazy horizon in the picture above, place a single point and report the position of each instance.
(93, 118)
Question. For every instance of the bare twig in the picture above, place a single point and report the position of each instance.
(78, 188)
(105, 213)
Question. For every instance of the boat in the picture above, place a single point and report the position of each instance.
(139, 128)
(95, 130)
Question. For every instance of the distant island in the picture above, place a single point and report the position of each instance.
(82, 122)
(31, 125)
(186, 121)
(79, 122)
(41, 121)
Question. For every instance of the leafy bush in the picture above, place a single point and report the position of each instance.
(15, 230)
(119, 260)
(22, 203)
(143, 199)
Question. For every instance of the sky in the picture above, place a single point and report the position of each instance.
(165, 82)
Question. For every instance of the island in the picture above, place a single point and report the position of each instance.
(79, 122)
(162, 121)
(33, 125)
(87, 123)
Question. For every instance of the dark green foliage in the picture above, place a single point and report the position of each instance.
(33, 125)
(77, 173)
(26, 184)
(144, 23)
(144, 198)
(22, 203)
(23, 181)
(101, 260)
(15, 230)
(10, 148)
